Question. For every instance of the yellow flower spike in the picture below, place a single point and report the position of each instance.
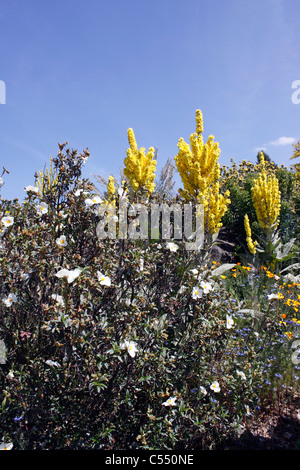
(250, 243)
(199, 121)
(139, 167)
(132, 140)
(266, 197)
(200, 172)
(111, 190)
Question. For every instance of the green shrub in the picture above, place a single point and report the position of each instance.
(135, 346)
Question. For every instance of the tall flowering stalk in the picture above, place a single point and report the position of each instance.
(267, 203)
(200, 173)
(111, 190)
(266, 198)
(139, 166)
(251, 245)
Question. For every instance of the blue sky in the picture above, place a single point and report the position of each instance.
(84, 72)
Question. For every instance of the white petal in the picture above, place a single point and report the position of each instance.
(62, 273)
(51, 363)
(73, 275)
(5, 446)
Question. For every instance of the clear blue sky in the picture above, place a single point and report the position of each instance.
(84, 72)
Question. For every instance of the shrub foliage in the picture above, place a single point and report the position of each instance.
(129, 344)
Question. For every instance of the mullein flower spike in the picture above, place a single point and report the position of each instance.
(111, 187)
(139, 166)
(250, 243)
(200, 173)
(111, 190)
(266, 198)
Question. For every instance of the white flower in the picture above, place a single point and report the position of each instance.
(215, 387)
(51, 363)
(241, 374)
(1, 182)
(203, 390)
(170, 401)
(32, 189)
(194, 271)
(79, 191)
(196, 293)
(61, 241)
(131, 347)
(206, 286)
(95, 200)
(6, 446)
(141, 264)
(248, 411)
(63, 214)
(42, 208)
(10, 299)
(172, 246)
(229, 322)
(104, 280)
(59, 299)
(273, 296)
(10, 375)
(70, 275)
(7, 221)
